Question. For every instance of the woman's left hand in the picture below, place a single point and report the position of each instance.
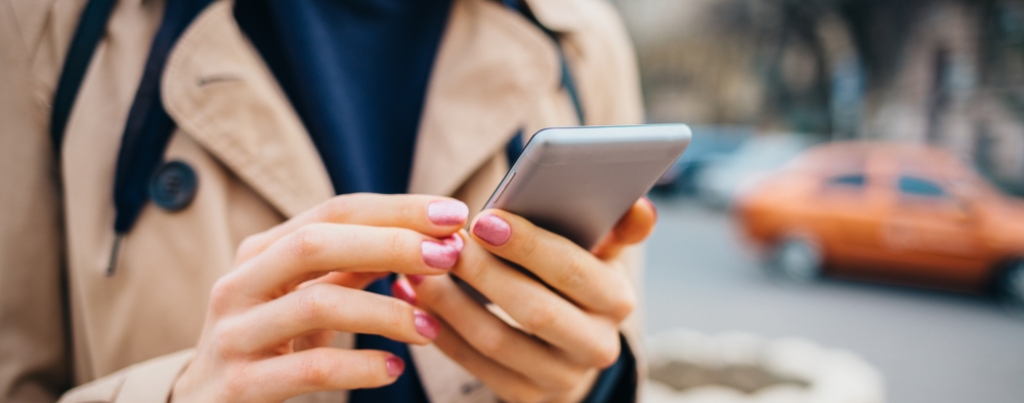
(565, 337)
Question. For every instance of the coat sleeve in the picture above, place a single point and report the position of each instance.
(34, 353)
(147, 382)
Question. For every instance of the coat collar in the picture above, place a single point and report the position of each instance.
(218, 90)
(490, 66)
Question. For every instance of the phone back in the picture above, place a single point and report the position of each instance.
(579, 181)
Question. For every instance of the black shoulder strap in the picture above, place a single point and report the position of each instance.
(149, 128)
(91, 28)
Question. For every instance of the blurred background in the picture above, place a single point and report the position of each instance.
(853, 184)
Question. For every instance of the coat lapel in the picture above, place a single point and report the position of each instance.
(218, 90)
(490, 66)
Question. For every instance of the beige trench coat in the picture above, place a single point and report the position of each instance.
(127, 337)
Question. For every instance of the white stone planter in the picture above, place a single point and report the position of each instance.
(688, 367)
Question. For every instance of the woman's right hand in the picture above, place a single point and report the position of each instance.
(270, 320)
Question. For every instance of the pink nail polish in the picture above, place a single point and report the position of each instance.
(439, 255)
(492, 229)
(394, 365)
(404, 292)
(447, 212)
(415, 279)
(426, 325)
(455, 241)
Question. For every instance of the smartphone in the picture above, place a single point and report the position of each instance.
(579, 181)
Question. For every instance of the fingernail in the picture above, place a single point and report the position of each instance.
(404, 292)
(395, 365)
(415, 279)
(439, 255)
(653, 207)
(492, 229)
(447, 212)
(426, 325)
(455, 241)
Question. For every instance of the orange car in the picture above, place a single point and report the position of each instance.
(892, 212)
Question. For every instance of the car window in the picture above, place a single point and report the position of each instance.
(915, 186)
(848, 181)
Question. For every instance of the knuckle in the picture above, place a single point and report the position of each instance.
(316, 370)
(236, 382)
(471, 269)
(397, 314)
(475, 267)
(540, 319)
(248, 247)
(575, 272)
(221, 295)
(410, 210)
(372, 370)
(337, 209)
(624, 305)
(395, 244)
(306, 241)
(528, 243)
(428, 295)
(224, 338)
(491, 341)
(567, 380)
(312, 303)
(607, 353)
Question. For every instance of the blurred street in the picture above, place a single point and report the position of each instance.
(931, 347)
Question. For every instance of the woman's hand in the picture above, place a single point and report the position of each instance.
(271, 319)
(565, 337)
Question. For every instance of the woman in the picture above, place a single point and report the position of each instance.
(177, 236)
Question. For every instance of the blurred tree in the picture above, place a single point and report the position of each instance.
(797, 74)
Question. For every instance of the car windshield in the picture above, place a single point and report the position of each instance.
(856, 180)
(916, 186)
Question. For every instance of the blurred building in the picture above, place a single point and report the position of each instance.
(947, 72)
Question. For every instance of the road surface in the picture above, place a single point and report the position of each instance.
(931, 347)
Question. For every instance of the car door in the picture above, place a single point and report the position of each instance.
(929, 234)
(848, 219)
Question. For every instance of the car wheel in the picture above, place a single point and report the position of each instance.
(797, 259)
(1011, 286)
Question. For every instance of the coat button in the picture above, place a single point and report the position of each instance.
(173, 186)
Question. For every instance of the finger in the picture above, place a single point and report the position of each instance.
(509, 385)
(495, 339)
(315, 249)
(356, 280)
(289, 375)
(634, 227)
(328, 307)
(585, 338)
(562, 264)
(430, 215)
